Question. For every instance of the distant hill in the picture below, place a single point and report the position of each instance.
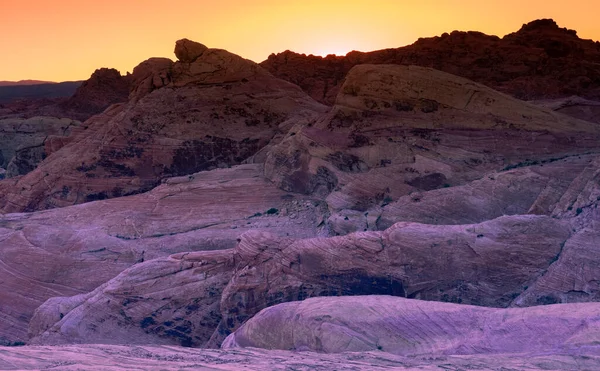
(25, 82)
(37, 91)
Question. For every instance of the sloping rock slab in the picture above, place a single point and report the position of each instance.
(412, 327)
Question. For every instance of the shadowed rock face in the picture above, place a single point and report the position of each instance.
(105, 87)
(23, 142)
(541, 60)
(578, 107)
(413, 327)
(182, 118)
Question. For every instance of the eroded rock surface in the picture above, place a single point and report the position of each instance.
(106, 86)
(574, 106)
(113, 357)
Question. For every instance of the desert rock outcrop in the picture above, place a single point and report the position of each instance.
(400, 130)
(182, 118)
(106, 86)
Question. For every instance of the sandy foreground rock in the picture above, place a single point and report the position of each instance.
(113, 357)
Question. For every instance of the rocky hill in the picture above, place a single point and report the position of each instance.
(539, 61)
(211, 109)
(9, 93)
(77, 100)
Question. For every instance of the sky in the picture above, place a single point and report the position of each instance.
(66, 40)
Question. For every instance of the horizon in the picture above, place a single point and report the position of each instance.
(68, 40)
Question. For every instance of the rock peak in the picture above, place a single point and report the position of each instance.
(188, 51)
(546, 24)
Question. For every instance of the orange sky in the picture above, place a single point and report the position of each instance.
(68, 39)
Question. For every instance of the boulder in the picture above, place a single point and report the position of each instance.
(188, 51)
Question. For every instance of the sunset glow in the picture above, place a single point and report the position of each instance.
(68, 39)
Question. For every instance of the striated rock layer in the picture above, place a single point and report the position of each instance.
(398, 131)
(180, 299)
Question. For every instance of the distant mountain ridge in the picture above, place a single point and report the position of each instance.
(25, 82)
(10, 93)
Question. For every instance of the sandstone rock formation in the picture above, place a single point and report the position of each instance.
(541, 60)
(73, 250)
(23, 141)
(183, 117)
(413, 327)
(562, 188)
(397, 136)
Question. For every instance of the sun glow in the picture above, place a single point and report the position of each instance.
(335, 48)
(68, 39)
